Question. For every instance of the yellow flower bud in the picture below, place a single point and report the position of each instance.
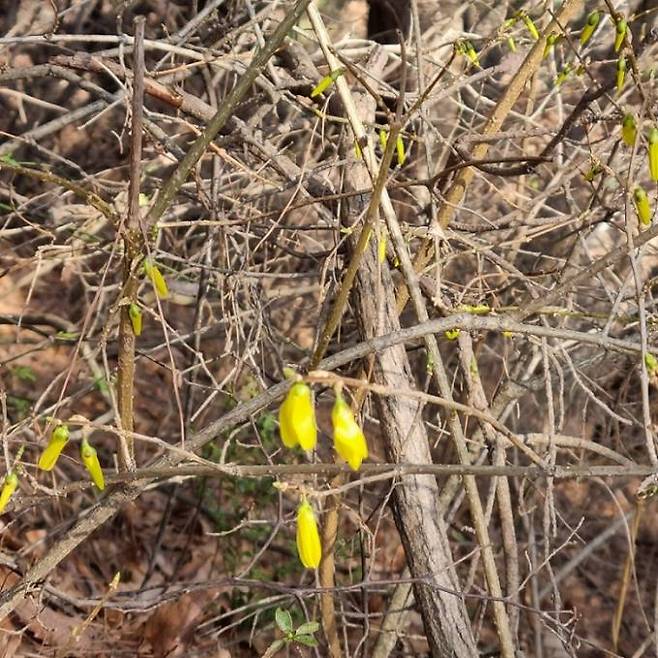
(8, 487)
(530, 26)
(297, 418)
(327, 81)
(158, 281)
(135, 314)
(470, 52)
(642, 206)
(308, 537)
(58, 439)
(620, 33)
(551, 40)
(653, 154)
(563, 74)
(628, 129)
(90, 460)
(383, 138)
(592, 21)
(452, 334)
(349, 441)
(399, 150)
(381, 246)
(621, 73)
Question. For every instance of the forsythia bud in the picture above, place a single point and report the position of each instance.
(90, 460)
(158, 281)
(642, 206)
(471, 53)
(308, 537)
(628, 129)
(592, 21)
(531, 27)
(297, 418)
(399, 150)
(8, 487)
(452, 334)
(621, 73)
(383, 138)
(58, 439)
(135, 314)
(551, 40)
(620, 33)
(349, 441)
(381, 246)
(327, 81)
(653, 154)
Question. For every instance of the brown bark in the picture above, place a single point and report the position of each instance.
(417, 514)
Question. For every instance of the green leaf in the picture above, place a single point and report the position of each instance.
(308, 640)
(24, 373)
(283, 620)
(9, 159)
(100, 384)
(308, 628)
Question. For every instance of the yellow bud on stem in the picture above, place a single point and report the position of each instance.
(629, 129)
(135, 314)
(592, 21)
(349, 440)
(621, 73)
(58, 439)
(653, 154)
(642, 205)
(551, 40)
(308, 537)
(158, 281)
(9, 485)
(297, 418)
(90, 460)
(399, 150)
(531, 27)
(620, 33)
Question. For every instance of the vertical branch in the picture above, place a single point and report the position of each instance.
(327, 570)
(131, 255)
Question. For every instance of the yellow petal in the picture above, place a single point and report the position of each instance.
(9, 486)
(90, 460)
(349, 440)
(58, 439)
(308, 537)
(297, 418)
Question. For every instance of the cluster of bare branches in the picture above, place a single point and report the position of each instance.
(195, 196)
